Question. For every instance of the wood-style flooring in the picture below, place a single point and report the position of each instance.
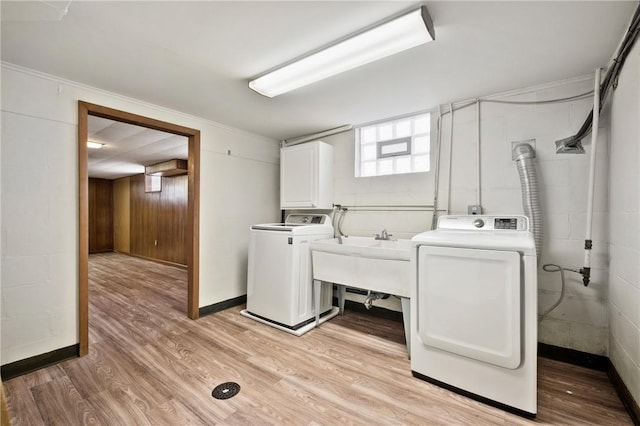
(150, 365)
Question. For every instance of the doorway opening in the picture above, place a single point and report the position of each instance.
(85, 110)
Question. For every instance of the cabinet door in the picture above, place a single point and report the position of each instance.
(299, 176)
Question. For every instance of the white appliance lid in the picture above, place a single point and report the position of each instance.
(300, 224)
(295, 229)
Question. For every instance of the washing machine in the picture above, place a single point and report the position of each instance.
(474, 295)
(279, 282)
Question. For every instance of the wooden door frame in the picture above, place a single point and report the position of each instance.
(85, 109)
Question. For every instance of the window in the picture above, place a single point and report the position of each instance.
(394, 147)
(152, 183)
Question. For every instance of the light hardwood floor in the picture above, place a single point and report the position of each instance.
(150, 365)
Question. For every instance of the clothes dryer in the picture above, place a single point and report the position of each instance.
(474, 295)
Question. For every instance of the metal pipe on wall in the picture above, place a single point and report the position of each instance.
(313, 136)
(450, 158)
(586, 270)
(478, 194)
(434, 217)
(390, 207)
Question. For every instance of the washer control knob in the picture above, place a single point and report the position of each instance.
(478, 223)
(305, 219)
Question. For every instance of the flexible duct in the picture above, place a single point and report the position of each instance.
(524, 156)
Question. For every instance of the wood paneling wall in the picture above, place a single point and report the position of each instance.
(121, 215)
(100, 215)
(159, 219)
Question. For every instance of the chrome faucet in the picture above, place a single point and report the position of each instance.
(383, 235)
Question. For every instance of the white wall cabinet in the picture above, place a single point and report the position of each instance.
(306, 176)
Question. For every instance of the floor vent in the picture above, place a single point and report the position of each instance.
(225, 390)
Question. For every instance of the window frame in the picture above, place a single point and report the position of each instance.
(152, 183)
(381, 144)
(396, 157)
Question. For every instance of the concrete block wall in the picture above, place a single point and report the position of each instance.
(581, 321)
(624, 200)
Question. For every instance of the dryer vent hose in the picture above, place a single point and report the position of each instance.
(524, 156)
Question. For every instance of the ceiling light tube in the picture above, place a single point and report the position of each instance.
(404, 32)
(94, 145)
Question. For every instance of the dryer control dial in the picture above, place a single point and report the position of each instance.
(478, 223)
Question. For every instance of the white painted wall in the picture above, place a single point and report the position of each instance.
(1, 233)
(581, 321)
(39, 206)
(624, 199)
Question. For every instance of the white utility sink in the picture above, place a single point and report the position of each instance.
(363, 262)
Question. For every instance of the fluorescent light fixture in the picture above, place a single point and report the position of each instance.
(94, 145)
(393, 36)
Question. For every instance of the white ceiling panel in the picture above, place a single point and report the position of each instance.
(197, 57)
(118, 132)
(128, 148)
(96, 124)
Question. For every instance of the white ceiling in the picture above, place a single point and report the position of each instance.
(197, 57)
(128, 148)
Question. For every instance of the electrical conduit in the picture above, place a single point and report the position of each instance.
(478, 158)
(450, 158)
(436, 179)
